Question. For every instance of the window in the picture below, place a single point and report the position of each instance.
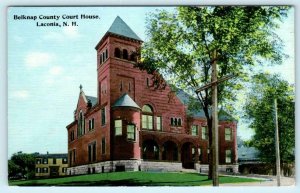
(158, 123)
(117, 53)
(147, 117)
(133, 57)
(91, 124)
(54, 160)
(103, 56)
(92, 152)
(106, 53)
(64, 170)
(45, 170)
(64, 160)
(148, 82)
(103, 116)
(179, 122)
(195, 130)
(118, 127)
(72, 135)
(38, 170)
(121, 85)
(176, 121)
(81, 124)
(45, 161)
(38, 161)
(100, 58)
(125, 54)
(228, 134)
(103, 146)
(129, 87)
(228, 156)
(131, 132)
(204, 133)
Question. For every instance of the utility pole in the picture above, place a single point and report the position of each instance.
(215, 121)
(277, 144)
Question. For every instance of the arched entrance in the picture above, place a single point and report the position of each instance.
(188, 155)
(170, 151)
(150, 150)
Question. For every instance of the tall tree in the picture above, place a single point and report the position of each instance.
(181, 44)
(23, 162)
(259, 110)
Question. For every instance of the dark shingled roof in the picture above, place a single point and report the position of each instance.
(119, 27)
(52, 155)
(185, 98)
(125, 101)
(93, 100)
(247, 153)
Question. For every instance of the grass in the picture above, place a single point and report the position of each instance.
(131, 179)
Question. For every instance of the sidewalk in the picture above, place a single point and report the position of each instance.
(266, 181)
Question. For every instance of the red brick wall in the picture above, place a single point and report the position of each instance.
(111, 74)
(122, 148)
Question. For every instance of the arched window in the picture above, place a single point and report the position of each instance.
(125, 54)
(147, 117)
(117, 53)
(133, 57)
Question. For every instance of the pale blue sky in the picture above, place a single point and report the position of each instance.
(47, 64)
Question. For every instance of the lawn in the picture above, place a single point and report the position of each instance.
(130, 179)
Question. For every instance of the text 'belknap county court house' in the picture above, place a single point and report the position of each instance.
(131, 126)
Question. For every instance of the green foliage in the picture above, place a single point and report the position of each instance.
(259, 110)
(13, 168)
(181, 45)
(21, 163)
(132, 179)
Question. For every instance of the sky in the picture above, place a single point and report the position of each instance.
(46, 65)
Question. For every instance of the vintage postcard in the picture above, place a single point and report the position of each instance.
(151, 96)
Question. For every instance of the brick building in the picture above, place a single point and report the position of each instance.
(132, 126)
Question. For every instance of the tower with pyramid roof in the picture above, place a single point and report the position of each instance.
(132, 126)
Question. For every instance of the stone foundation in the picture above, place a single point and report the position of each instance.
(139, 165)
(107, 166)
(161, 166)
(223, 169)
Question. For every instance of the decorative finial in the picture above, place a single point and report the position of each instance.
(80, 88)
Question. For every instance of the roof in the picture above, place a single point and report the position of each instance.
(53, 155)
(119, 27)
(247, 153)
(125, 101)
(199, 113)
(94, 100)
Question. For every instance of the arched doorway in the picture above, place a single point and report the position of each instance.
(170, 151)
(150, 150)
(188, 155)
